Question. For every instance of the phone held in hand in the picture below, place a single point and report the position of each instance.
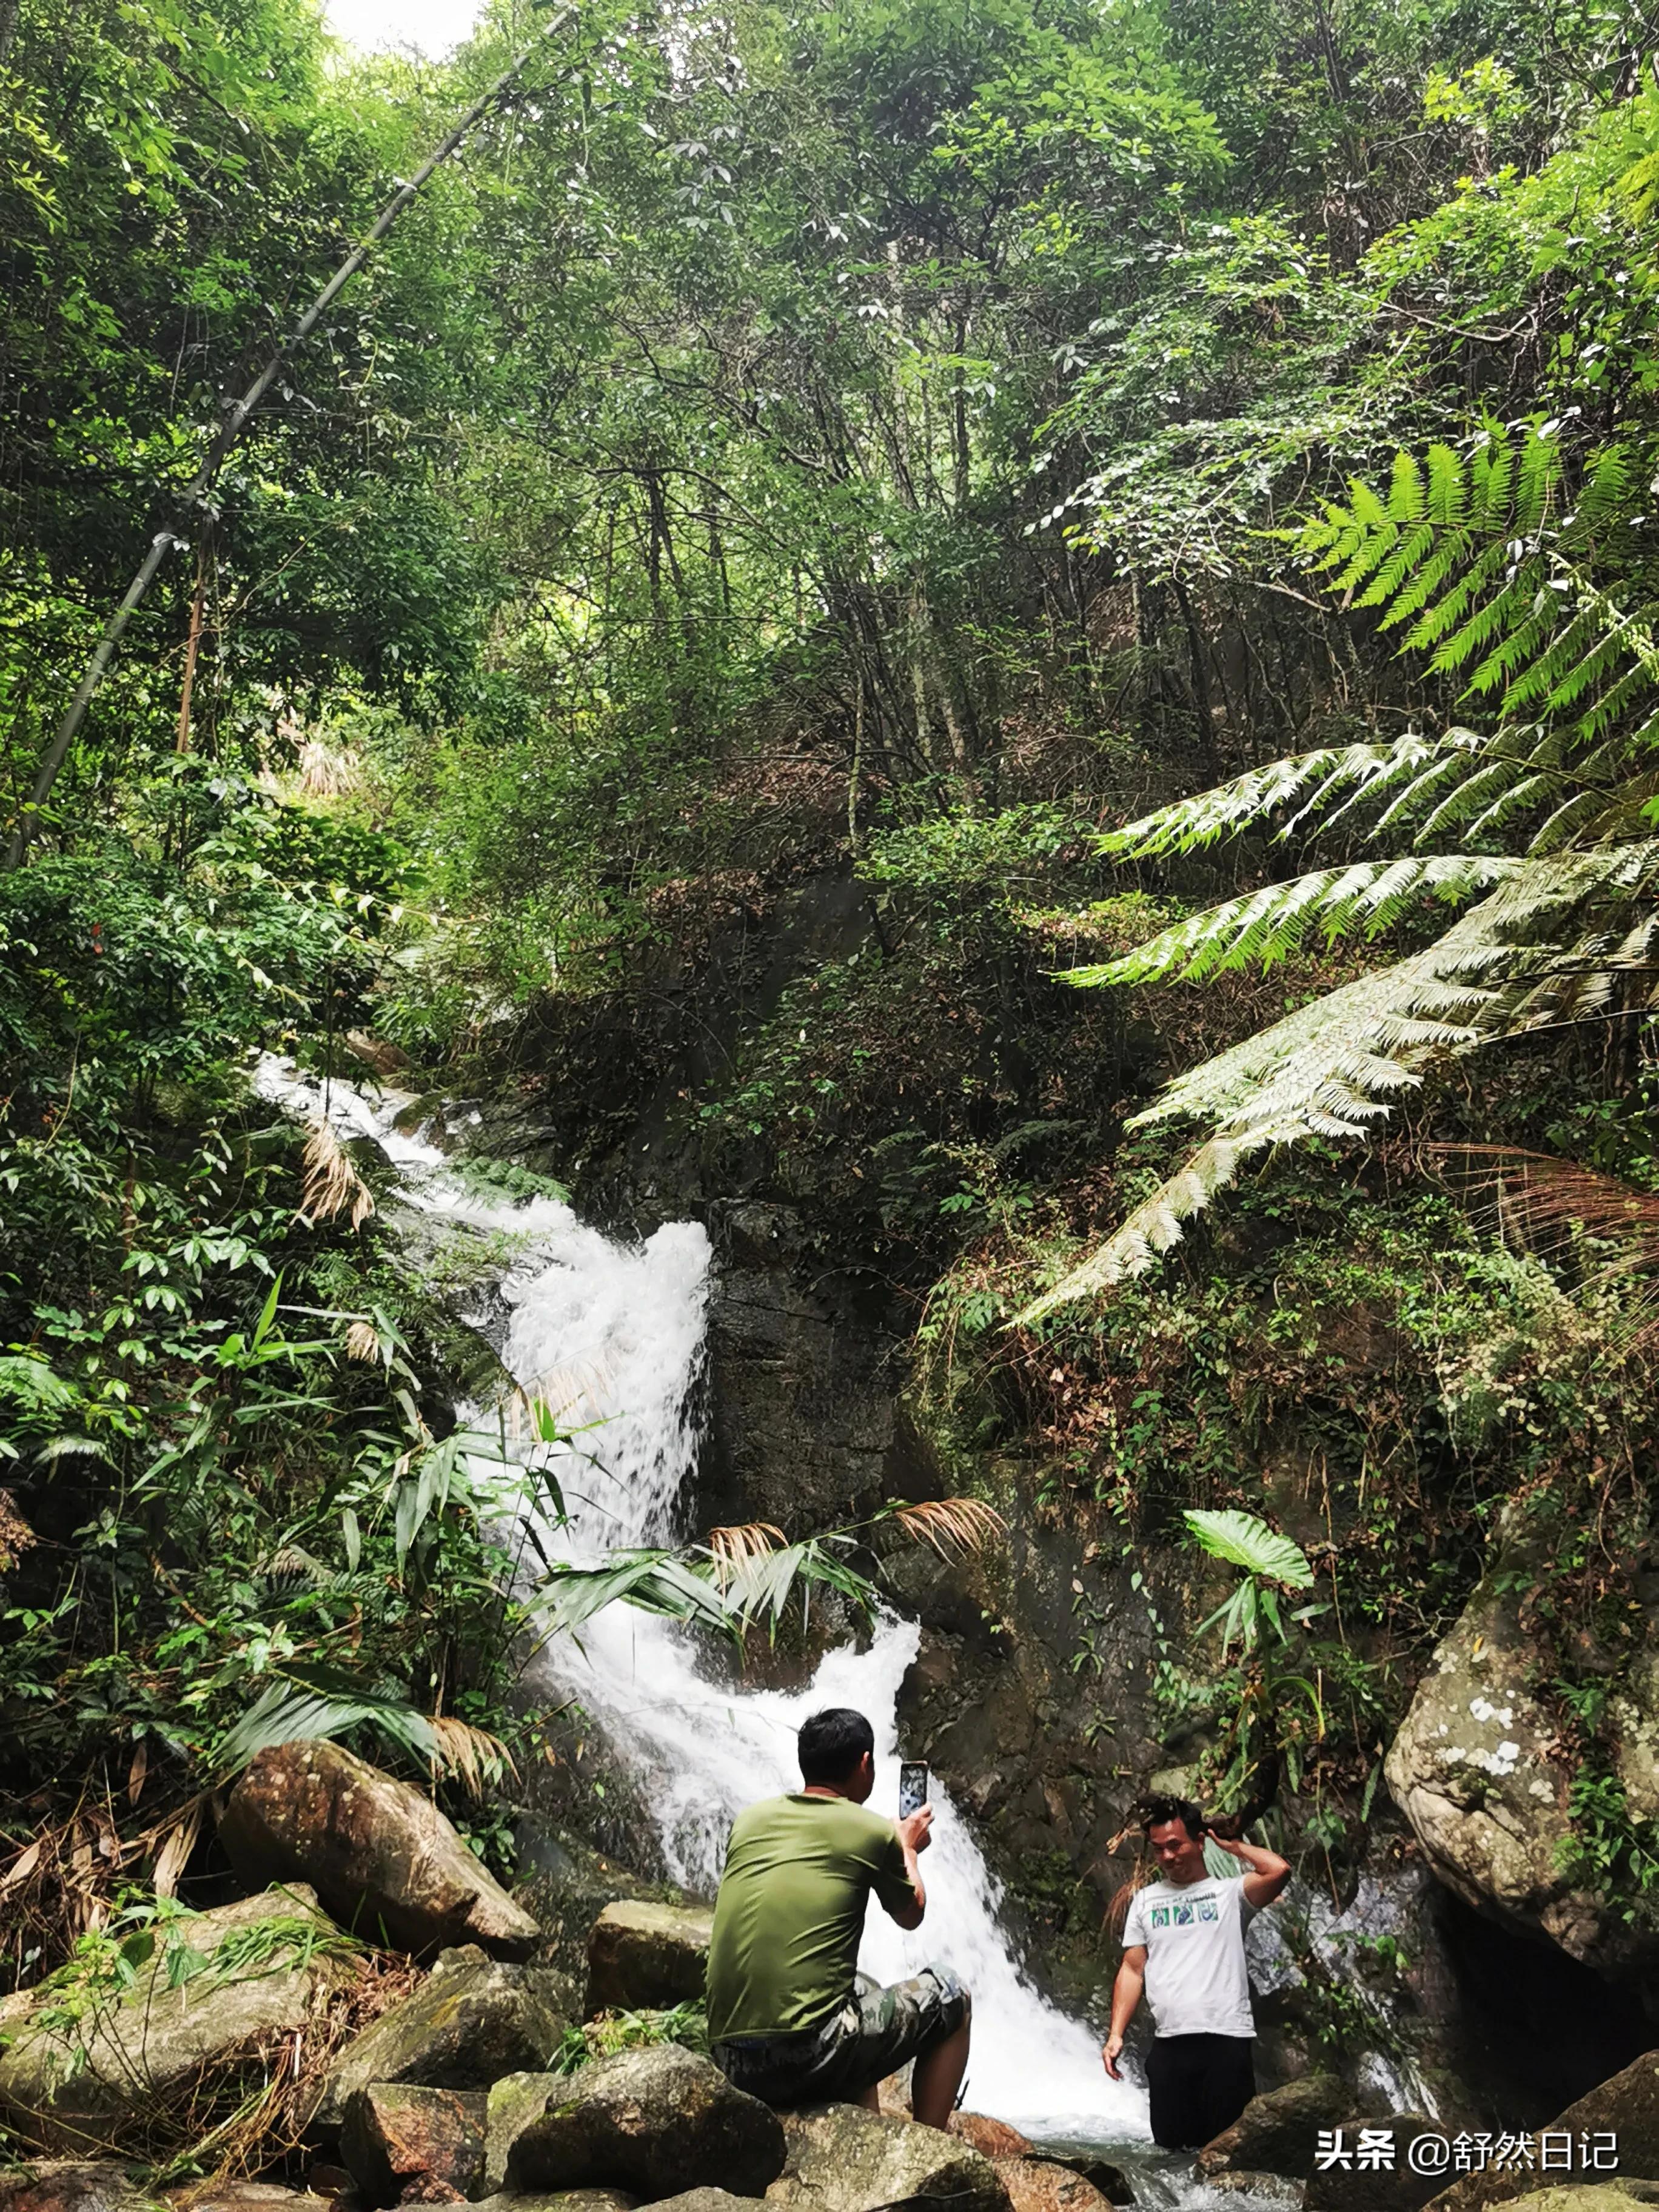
(912, 1787)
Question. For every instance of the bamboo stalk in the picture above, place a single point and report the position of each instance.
(231, 429)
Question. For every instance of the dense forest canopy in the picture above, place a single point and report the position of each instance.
(887, 445)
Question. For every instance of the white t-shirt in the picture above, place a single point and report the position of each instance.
(1196, 1982)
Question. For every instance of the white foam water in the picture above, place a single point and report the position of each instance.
(610, 1334)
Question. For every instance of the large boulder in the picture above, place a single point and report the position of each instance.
(74, 2185)
(992, 2138)
(1275, 2133)
(843, 2159)
(472, 2020)
(1041, 2184)
(118, 2071)
(382, 1859)
(405, 2145)
(1111, 2179)
(643, 1956)
(1626, 2107)
(654, 2121)
(1473, 1768)
(515, 2101)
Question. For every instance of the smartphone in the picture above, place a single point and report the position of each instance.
(913, 1786)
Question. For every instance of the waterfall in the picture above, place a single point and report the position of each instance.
(611, 1335)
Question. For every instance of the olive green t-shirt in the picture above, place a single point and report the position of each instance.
(798, 1873)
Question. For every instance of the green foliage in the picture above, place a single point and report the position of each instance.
(608, 2033)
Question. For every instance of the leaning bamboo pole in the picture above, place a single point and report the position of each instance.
(229, 431)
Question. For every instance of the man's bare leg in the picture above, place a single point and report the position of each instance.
(938, 2076)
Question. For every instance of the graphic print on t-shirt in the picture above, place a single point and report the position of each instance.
(1193, 1934)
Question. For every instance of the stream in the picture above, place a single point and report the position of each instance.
(611, 1335)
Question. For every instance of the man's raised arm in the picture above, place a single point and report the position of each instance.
(1265, 1873)
(912, 1838)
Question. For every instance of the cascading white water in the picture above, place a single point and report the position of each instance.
(611, 1335)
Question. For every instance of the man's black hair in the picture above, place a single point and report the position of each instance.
(1154, 1812)
(831, 1744)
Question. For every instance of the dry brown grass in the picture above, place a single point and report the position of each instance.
(477, 1759)
(734, 1549)
(332, 1185)
(952, 1527)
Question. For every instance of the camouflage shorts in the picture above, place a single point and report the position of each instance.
(875, 2033)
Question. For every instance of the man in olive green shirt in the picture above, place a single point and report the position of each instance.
(791, 2020)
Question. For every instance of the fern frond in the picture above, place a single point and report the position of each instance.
(1268, 925)
(1188, 824)
(1151, 1229)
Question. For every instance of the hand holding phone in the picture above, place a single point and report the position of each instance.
(912, 1787)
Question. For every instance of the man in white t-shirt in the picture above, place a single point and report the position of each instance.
(1184, 1944)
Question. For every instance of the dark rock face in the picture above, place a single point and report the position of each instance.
(415, 2146)
(471, 2021)
(644, 1956)
(381, 1858)
(118, 2072)
(1626, 2107)
(1276, 2133)
(804, 1429)
(73, 2186)
(652, 2121)
(843, 2159)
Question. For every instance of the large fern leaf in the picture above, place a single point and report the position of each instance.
(1268, 925)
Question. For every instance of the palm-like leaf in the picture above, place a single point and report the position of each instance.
(313, 1703)
(1243, 1540)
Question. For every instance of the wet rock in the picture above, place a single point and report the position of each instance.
(843, 2159)
(992, 2138)
(472, 2020)
(410, 2145)
(643, 1956)
(122, 2069)
(1111, 2180)
(653, 2121)
(1041, 2184)
(73, 2186)
(386, 1058)
(1625, 2106)
(1275, 2132)
(384, 1861)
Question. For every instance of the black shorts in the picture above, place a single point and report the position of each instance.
(1198, 2085)
(875, 2033)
